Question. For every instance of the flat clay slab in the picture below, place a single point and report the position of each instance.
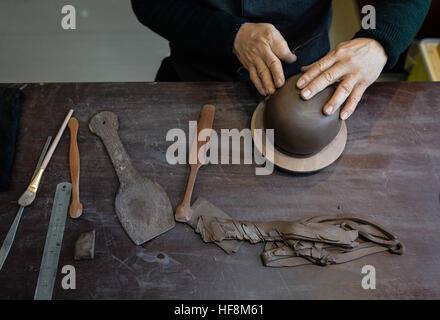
(290, 162)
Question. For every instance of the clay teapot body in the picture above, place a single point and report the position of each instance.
(300, 126)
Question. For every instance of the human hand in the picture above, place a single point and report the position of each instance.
(356, 63)
(260, 47)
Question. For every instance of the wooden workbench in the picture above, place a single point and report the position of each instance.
(389, 173)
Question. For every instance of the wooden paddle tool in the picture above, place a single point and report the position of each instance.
(76, 207)
(142, 206)
(183, 211)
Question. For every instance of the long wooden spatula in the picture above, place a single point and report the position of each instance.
(183, 211)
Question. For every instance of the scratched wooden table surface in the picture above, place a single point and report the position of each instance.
(389, 172)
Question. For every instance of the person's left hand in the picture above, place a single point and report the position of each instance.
(356, 63)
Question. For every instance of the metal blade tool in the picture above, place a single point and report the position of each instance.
(9, 240)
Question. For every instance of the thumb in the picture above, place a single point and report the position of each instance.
(290, 57)
(282, 51)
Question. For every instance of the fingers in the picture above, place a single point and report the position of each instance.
(281, 49)
(341, 94)
(256, 81)
(259, 47)
(306, 68)
(276, 68)
(323, 80)
(357, 62)
(353, 101)
(262, 74)
(265, 76)
(315, 70)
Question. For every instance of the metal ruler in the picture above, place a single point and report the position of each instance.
(54, 239)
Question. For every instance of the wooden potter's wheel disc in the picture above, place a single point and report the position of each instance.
(289, 162)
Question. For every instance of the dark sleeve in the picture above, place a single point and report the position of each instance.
(397, 23)
(10, 105)
(189, 25)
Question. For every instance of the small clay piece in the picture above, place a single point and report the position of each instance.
(300, 127)
(85, 246)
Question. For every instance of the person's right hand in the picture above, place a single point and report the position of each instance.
(260, 47)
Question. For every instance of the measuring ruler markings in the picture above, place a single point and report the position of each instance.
(54, 240)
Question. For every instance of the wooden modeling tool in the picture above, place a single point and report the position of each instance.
(183, 211)
(76, 207)
(142, 206)
(29, 195)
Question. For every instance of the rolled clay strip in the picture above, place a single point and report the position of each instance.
(320, 240)
(218, 229)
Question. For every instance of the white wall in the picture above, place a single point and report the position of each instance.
(108, 45)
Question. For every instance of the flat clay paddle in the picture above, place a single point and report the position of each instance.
(183, 211)
(76, 207)
(142, 206)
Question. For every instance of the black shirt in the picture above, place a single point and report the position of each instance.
(201, 32)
